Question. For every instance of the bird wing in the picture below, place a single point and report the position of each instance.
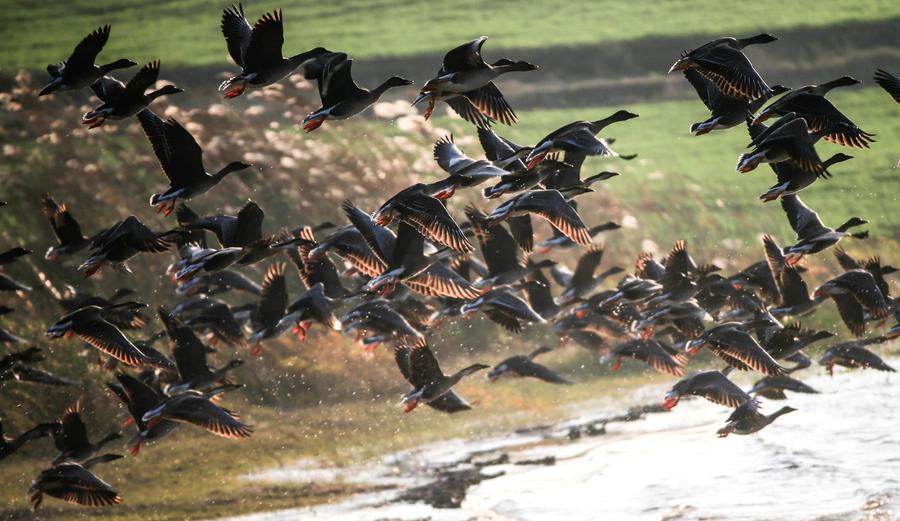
(722, 391)
(237, 31)
(551, 206)
(743, 347)
(108, 89)
(701, 85)
(88, 48)
(142, 81)
(522, 232)
(440, 281)
(449, 157)
(179, 155)
(65, 226)
(465, 57)
(587, 265)
(888, 82)
(732, 73)
(430, 218)
(107, 338)
(274, 297)
(367, 229)
(74, 431)
(423, 366)
(803, 220)
(531, 368)
(200, 411)
(490, 102)
(337, 82)
(264, 48)
(469, 112)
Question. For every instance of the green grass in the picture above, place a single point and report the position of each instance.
(682, 186)
(34, 33)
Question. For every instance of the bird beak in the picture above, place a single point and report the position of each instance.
(671, 400)
(287, 320)
(680, 65)
(694, 345)
(420, 98)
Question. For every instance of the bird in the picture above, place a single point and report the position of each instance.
(419, 366)
(657, 355)
(723, 62)
(139, 398)
(80, 70)
(854, 355)
(379, 317)
(809, 103)
(583, 281)
(341, 97)
(711, 384)
(65, 227)
(313, 306)
(793, 294)
(181, 159)
(121, 101)
(746, 419)
(190, 358)
(122, 241)
(737, 348)
(196, 408)
(463, 171)
(71, 439)
(503, 307)
(578, 137)
(524, 366)
(725, 111)
(273, 301)
(855, 292)
(8, 446)
(773, 387)
(873, 265)
(788, 139)
(91, 326)
(466, 83)
(812, 235)
(548, 205)
(419, 209)
(257, 51)
(74, 483)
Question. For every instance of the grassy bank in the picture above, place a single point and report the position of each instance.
(187, 32)
(194, 475)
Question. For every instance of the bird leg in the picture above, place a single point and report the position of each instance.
(430, 108)
(236, 90)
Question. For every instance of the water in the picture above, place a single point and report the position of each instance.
(836, 459)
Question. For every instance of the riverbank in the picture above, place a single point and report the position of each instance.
(665, 466)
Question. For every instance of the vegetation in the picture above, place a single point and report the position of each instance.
(187, 32)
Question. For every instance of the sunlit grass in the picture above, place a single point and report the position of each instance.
(33, 34)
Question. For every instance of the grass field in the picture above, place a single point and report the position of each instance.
(33, 33)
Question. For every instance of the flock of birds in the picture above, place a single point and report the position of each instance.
(662, 313)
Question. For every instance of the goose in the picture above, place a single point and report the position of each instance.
(257, 51)
(121, 101)
(723, 62)
(79, 70)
